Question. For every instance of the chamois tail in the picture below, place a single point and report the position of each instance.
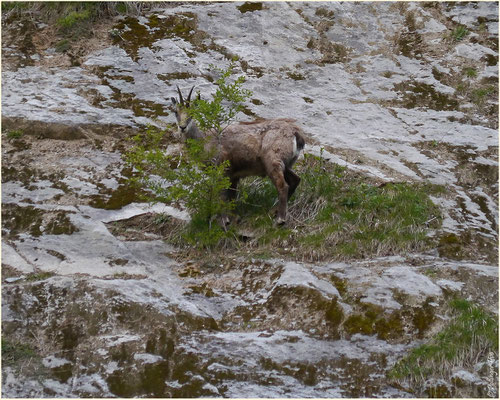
(300, 141)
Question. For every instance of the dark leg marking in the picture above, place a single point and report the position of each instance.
(293, 181)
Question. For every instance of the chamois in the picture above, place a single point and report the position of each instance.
(267, 147)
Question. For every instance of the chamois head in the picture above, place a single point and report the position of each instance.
(184, 120)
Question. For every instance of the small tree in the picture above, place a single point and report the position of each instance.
(214, 116)
(198, 179)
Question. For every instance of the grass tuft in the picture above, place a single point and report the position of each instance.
(39, 276)
(470, 72)
(14, 353)
(459, 33)
(15, 134)
(479, 95)
(471, 335)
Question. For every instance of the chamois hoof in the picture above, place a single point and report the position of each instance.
(224, 222)
(280, 221)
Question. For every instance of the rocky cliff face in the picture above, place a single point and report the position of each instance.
(393, 90)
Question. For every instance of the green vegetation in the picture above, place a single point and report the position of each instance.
(198, 183)
(482, 27)
(23, 356)
(336, 214)
(39, 276)
(479, 95)
(63, 45)
(15, 134)
(196, 180)
(373, 321)
(461, 88)
(250, 6)
(191, 180)
(467, 339)
(14, 353)
(296, 76)
(459, 33)
(213, 116)
(73, 19)
(470, 72)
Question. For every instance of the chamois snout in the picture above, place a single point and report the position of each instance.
(182, 128)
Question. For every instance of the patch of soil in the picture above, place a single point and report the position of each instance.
(147, 226)
(331, 53)
(468, 245)
(44, 45)
(418, 94)
(17, 220)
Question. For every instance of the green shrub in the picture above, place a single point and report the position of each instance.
(121, 7)
(14, 6)
(191, 180)
(74, 17)
(213, 116)
(196, 180)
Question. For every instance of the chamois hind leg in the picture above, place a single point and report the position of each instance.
(230, 194)
(275, 171)
(293, 181)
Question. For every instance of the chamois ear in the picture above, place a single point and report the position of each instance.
(174, 102)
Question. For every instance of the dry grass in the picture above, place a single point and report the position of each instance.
(470, 337)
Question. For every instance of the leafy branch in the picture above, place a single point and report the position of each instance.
(214, 116)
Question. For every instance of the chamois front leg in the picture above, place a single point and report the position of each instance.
(229, 195)
(276, 174)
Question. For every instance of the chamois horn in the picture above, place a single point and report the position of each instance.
(189, 95)
(180, 96)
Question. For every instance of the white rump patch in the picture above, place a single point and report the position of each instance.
(295, 151)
